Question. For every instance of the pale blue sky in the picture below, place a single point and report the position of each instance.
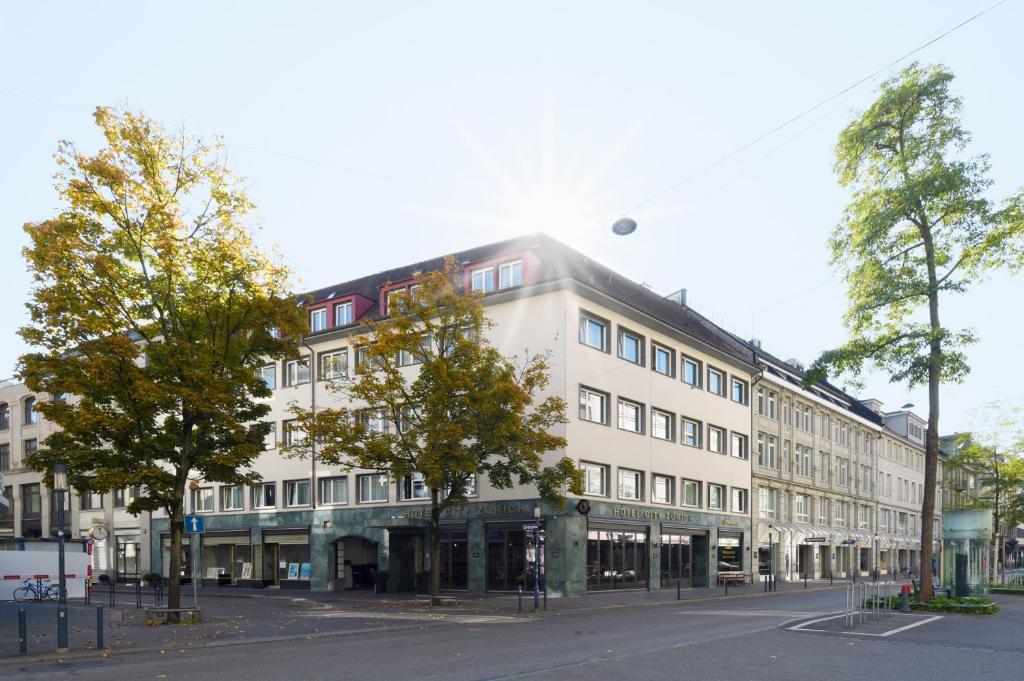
(376, 134)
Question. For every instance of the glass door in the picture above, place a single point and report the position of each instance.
(270, 564)
(616, 559)
(454, 559)
(506, 559)
(676, 560)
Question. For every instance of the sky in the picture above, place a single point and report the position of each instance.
(378, 134)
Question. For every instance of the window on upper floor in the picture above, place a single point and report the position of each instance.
(296, 493)
(202, 500)
(334, 365)
(739, 500)
(716, 497)
(739, 447)
(264, 495)
(690, 493)
(334, 490)
(5, 416)
(716, 439)
(29, 415)
(662, 489)
(630, 416)
(630, 346)
(510, 274)
(296, 372)
(631, 484)
(716, 382)
(372, 488)
(595, 479)
(482, 279)
(594, 331)
(691, 373)
(29, 447)
(768, 500)
(414, 486)
(593, 406)
(773, 405)
(663, 360)
(268, 374)
(663, 425)
(343, 314)
(762, 403)
(318, 320)
(5, 456)
(692, 432)
(739, 392)
(232, 498)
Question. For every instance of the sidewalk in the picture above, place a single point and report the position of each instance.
(240, 616)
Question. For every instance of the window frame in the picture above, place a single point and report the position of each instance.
(338, 308)
(510, 265)
(322, 374)
(697, 486)
(698, 430)
(359, 488)
(744, 441)
(638, 479)
(225, 491)
(698, 371)
(258, 491)
(585, 467)
(656, 479)
(289, 381)
(205, 492)
(321, 485)
(638, 410)
(320, 312)
(744, 387)
(261, 374)
(289, 485)
(722, 493)
(657, 348)
(722, 439)
(584, 335)
(622, 332)
(485, 271)
(744, 497)
(670, 435)
(722, 380)
(605, 419)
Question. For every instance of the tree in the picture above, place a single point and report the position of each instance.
(463, 410)
(995, 453)
(918, 228)
(152, 310)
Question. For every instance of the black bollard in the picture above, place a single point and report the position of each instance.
(520, 597)
(726, 586)
(99, 627)
(830, 578)
(805, 580)
(138, 593)
(22, 632)
(111, 583)
(679, 589)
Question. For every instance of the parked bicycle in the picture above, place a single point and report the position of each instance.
(37, 591)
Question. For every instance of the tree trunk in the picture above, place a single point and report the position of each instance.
(931, 450)
(435, 548)
(177, 519)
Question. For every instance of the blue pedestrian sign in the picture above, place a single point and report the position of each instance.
(195, 524)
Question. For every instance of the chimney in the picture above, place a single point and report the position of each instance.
(796, 363)
(679, 297)
(756, 342)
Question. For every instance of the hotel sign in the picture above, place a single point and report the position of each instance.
(496, 509)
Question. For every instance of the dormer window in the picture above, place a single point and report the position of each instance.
(318, 320)
(510, 274)
(343, 314)
(483, 279)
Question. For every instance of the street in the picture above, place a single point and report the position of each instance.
(747, 637)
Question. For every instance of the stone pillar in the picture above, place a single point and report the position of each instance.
(476, 531)
(319, 553)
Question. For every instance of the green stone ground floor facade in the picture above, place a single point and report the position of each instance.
(486, 547)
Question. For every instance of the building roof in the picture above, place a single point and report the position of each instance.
(557, 261)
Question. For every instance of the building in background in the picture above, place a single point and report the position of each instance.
(119, 546)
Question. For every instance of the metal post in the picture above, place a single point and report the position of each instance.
(195, 587)
(805, 578)
(138, 589)
(726, 586)
(520, 589)
(62, 595)
(679, 588)
(99, 627)
(22, 632)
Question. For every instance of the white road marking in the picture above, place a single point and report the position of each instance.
(803, 626)
(752, 613)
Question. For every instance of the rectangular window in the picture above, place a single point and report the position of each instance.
(802, 508)
(29, 447)
(662, 491)
(268, 374)
(510, 274)
(318, 320)
(842, 472)
(296, 493)
(31, 501)
(689, 493)
(5, 457)
(767, 502)
(232, 498)
(595, 479)
(663, 425)
(289, 435)
(334, 490)
(823, 511)
(840, 513)
(414, 486)
(29, 415)
(691, 432)
(785, 411)
(5, 416)
(630, 484)
(202, 500)
(739, 391)
(372, 488)
(773, 405)
(343, 314)
(739, 446)
(334, 365)
(630, 346)
(296, 372)
(593, 406)
(663, 360)
(824, 466)
(90, 501)
(594, 331)
(803, 460)
(691, 372)
(716, 497)
(739, 500)
(631, 416)
(716, 439)
(761, 403)
(716, 382)
(264, 495)
(483, 279)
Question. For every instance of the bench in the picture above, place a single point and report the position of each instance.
(186, 615)
(732, 577)
(915, 586)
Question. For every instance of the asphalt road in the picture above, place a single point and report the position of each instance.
(734, 639)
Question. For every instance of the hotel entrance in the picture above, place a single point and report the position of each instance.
(617, 558)
(676, 561)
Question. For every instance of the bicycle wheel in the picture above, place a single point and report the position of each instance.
(24, 593)
(52, 593)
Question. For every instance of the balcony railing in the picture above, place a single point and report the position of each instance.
(9, 382)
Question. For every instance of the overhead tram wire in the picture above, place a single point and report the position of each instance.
(722, 159)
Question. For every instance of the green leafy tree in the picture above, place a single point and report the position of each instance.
(432, 396)
(151, 310)
(918, 227)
